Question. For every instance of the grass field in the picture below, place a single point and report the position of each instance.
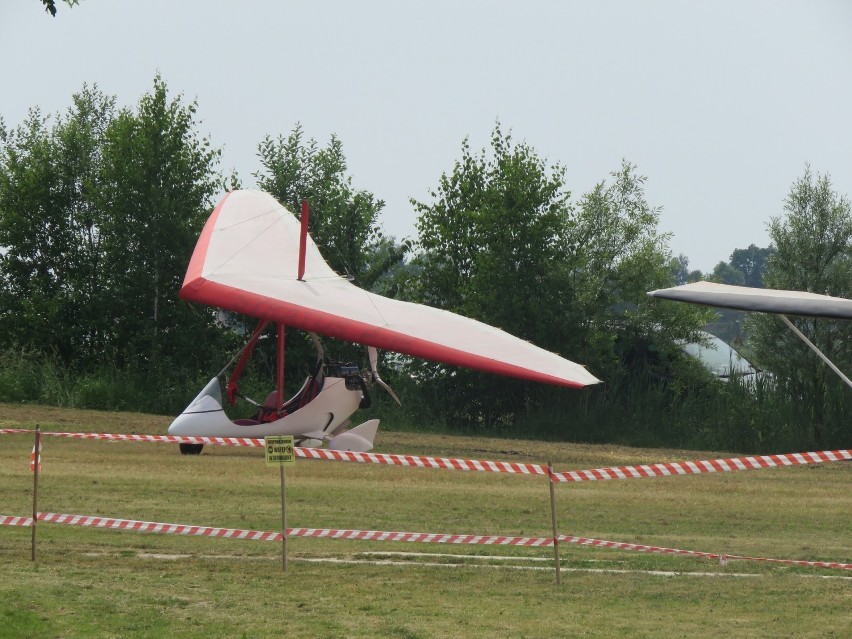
(99, 583)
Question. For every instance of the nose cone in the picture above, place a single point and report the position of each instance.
(205, 409)
(197, 418)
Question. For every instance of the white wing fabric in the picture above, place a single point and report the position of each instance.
(765, 300)
(246, 260)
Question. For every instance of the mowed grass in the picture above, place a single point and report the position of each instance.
(100, 583)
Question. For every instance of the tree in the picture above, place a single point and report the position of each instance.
(502, 243)
(98, 217)
(343, 220)
(158, 182)
(493, 237)
(725, 273)
(813, 241)
(682, 274)
(751, 262)
(618, 255)
(50, 263)
(489, 246)
(746, 268)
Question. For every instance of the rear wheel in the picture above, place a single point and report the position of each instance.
(190, 449)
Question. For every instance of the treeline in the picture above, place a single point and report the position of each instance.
(100, 208)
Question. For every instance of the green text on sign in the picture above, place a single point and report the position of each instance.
(279, 450)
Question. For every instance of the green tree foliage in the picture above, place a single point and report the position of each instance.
(497, 226)
(51, 260)
(343, 220)
(813, 241)
(98, 216)
(751, 262)
(745, 268)
(725, 273)
(616, 255)
(682, 274)
(158, 184)
(489, 248)
(501, 242)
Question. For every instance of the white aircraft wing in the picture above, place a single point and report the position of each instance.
(246, 260)
(764, 300)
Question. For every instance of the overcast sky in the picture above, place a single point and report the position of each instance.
(720, 104)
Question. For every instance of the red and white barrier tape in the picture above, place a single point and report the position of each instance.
(601, 543)
(376, 535)
(155, 527)
(15, 521)
(669, 469)
(166, 439)
(317, 453)
(257, 535)
(665, 469)
(434, 538)
(423, 462)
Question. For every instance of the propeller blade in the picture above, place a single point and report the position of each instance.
(373, 354)
(388, 389)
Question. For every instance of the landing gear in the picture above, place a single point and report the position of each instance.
(190, 449)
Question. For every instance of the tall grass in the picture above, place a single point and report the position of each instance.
(700, 413)
(689, 410)
(32, 377)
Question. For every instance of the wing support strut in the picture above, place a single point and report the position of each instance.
(815, 349)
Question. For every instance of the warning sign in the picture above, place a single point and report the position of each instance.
(279, 450)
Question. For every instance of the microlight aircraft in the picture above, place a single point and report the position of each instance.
(255, 258)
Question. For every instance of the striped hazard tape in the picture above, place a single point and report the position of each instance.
(723, 558)
(434, 538)
(6, 520)
(663, 469)
(163, 439)
(315, 453)
(669, 469)
(257, 535)
(423, 462)
(376, 535)
(155, 527)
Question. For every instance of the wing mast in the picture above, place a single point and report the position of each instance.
(303, 239)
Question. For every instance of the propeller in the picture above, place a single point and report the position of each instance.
(373, 354)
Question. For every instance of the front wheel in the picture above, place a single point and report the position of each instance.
(190, 449)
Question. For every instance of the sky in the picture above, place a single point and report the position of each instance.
(721, 105)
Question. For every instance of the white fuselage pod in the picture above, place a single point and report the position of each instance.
(318, 419)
